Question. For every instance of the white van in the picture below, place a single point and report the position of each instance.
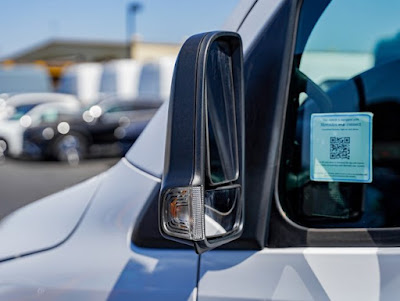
(129, 79)
(83, 81)
(293, 196)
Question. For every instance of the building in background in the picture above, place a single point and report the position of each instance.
(148, 51)
(56, 54)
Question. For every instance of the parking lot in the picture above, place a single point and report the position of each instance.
(22, 182)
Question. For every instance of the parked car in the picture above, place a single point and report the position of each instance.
(93, 132)
(224, 165)
(7, 107)
(83, 81)
(30, 109)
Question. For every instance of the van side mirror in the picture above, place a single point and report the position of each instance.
(201, 200)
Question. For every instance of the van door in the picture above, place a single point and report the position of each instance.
(322, 159)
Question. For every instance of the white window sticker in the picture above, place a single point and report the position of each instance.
(341, 147)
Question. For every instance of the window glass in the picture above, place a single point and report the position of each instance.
(221, 126)
(50, 115)
(20, 111)
(346, 65)
(108, 82)
(120, 108)
(149, 82)
(23, 79)
(351, 38)
(68, 84)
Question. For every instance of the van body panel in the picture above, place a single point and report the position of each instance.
(120, 78)
(98, 261)
(83, 81)
(45, 223)
(148, 151)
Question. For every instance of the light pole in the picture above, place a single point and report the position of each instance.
(131, 11)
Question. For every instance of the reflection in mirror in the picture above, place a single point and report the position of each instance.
(221, 211)
(222, 144)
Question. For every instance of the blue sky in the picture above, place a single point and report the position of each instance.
(356, 25)
(26, 23)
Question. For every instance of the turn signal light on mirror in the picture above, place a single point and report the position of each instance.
(182, 213)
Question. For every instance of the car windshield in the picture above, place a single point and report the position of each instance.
(21, 111)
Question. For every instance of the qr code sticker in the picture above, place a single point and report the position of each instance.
(340, 148)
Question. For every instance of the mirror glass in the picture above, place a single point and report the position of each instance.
(222, 213)
(221, 134)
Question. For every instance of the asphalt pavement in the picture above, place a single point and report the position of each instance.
(22, 182)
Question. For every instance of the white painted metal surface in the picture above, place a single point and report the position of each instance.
(98, 261)
(148, 151)
(300, 274)
(46, 223)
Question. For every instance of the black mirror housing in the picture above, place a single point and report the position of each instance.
(201, 200)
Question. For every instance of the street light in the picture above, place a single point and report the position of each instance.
(132, 9)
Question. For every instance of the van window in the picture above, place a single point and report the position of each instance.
(120, 108)
(24, 78)
(108, 82)
(68, 84)
(345, 69)
(49, 116)
(149, 82)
